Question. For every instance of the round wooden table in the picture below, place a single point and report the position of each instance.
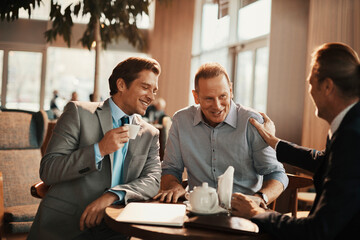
(169, 233)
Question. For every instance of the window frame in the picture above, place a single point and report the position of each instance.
(24, 48)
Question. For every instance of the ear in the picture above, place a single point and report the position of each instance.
(231, 91)
(196, 97)
(120, 84)
(328, 86)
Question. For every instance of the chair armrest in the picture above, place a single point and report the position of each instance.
(39, 190)
(296, 181)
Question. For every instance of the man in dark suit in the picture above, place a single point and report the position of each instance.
(90, 162)
(335, 90)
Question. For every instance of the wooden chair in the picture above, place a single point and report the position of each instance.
(295, 182)
(22, 134)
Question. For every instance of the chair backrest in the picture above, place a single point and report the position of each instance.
(164, 134)
(295, 182)
(21, 136)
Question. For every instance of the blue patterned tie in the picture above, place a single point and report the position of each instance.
(119, 157)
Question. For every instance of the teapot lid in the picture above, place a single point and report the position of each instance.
(204, 187)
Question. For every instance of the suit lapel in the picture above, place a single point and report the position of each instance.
(132, 147)
(105, 119)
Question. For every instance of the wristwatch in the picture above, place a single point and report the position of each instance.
(263, 196)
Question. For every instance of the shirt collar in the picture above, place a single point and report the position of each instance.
(116, 112)
(338, 119)
(230, 119)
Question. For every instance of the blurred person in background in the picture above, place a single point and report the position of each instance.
(156, 111)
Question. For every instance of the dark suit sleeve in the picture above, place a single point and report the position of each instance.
(337, 212)
(302, 157)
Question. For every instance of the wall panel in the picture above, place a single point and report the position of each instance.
(329, 21)
(171, 44)
(287, 67)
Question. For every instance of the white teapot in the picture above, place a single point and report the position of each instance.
(203, 199)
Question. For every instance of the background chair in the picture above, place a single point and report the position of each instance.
(295, 183)
(22, 134)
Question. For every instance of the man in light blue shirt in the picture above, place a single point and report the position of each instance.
(207, 138)
(119, 156)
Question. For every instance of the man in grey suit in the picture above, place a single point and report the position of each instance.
(90, 162)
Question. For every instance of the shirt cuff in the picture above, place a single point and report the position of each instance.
(98, 157)
(120, 194)
(276, 145)
(280, 176)
(172, 172)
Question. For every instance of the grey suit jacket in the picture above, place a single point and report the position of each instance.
(76, 181)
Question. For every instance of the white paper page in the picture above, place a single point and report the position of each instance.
(153, 213)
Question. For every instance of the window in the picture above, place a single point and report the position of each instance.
(69, 70)
(261, 78)
(239, 42)
(34, 70)
(24, 77)
(42, 12)
(250, 87)
(254, 20)
(243, 84)
(214, 29)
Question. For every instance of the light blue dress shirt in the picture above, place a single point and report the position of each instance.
(119, 155)
(206, 152)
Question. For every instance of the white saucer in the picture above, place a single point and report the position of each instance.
(218, 209)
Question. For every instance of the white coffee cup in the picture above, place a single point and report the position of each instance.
(133, 130)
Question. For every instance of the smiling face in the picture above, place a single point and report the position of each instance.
(140, 94)
(214, 96)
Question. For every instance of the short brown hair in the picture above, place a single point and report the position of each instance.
(210, 70)
(340, 63)
(129, 70)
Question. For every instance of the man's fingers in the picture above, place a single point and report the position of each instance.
(176, 197)
(121, 129)
(266, 118)
(255, 123)
(169, 197)
(238, 197)
(163, 195)
(99, 218)
(157, 196)
(82, 221)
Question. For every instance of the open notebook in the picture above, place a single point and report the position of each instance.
(153, 214)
